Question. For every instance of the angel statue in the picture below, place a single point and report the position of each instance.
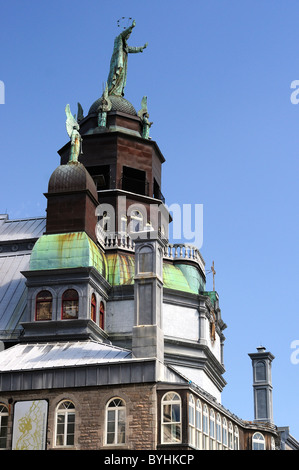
(104, 107)
(143, 114)
(72, 128)
(119, 61)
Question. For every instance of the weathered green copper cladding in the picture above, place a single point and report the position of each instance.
(193, 277)
(212, 295)
(173, 278)
(121, 268)
(182, 277)
(67, 250)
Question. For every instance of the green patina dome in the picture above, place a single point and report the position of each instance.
(67, 250)
(182, 277)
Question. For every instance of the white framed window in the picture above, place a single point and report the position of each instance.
(136, 221)
(205, 428)
(236, 438)
(116, 422)
(198, 424)
(224, 434)
(218, 432)
(212, 429)
(272, 443)
(230, 436)
(258, 441)
(171, 418)
(191, 409)
(65, 424)
(3, 425)
(106, 222)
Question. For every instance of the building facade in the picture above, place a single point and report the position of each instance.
(94, 351)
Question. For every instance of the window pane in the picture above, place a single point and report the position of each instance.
(176, 432)
(59, 440)
(121, 434)
(176, 413)
(70, 440)
(167, 413)
(110, 438)
(111, 426)
(121, 415)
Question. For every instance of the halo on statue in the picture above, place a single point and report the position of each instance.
(124, 22)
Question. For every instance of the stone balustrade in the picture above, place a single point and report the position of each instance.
(184, 251)
(172, 251)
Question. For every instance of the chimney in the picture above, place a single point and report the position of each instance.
(262, 385)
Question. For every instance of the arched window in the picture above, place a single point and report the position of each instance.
(3, 425)
(198, 424)
(145, 258)
(70, 304)
(116, 422)
(106, 221)
(65, 424)
(224, 433)
(230, 436)
(102, 315)
(236, 438)
(136, 221)
(218, 431)
(93, 308)
(260, 371)
(212, 430)
(43, 306)
(258, 441)
(171, 418)
(205, 428)
(191, 420)
(272, 443)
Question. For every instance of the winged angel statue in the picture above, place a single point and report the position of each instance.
(72, 128)
(144, 116)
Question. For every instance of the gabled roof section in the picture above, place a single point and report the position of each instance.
(21, 229)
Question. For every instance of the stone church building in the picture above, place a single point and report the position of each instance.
(109, 338)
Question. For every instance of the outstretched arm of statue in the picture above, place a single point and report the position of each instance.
(136, 49)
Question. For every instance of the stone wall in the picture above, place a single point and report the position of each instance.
(90, 404)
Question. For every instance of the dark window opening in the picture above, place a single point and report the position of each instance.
(102, 315)
(43, 310)
(93, 313)
(134, 180)
(101, 176)
(157, 192)
(70, 304)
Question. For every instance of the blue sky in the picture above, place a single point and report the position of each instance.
(218, 78)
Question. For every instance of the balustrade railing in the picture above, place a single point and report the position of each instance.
(184, 251)
(118, 240)
(172, 251)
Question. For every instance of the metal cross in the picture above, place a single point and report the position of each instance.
(214, 272)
